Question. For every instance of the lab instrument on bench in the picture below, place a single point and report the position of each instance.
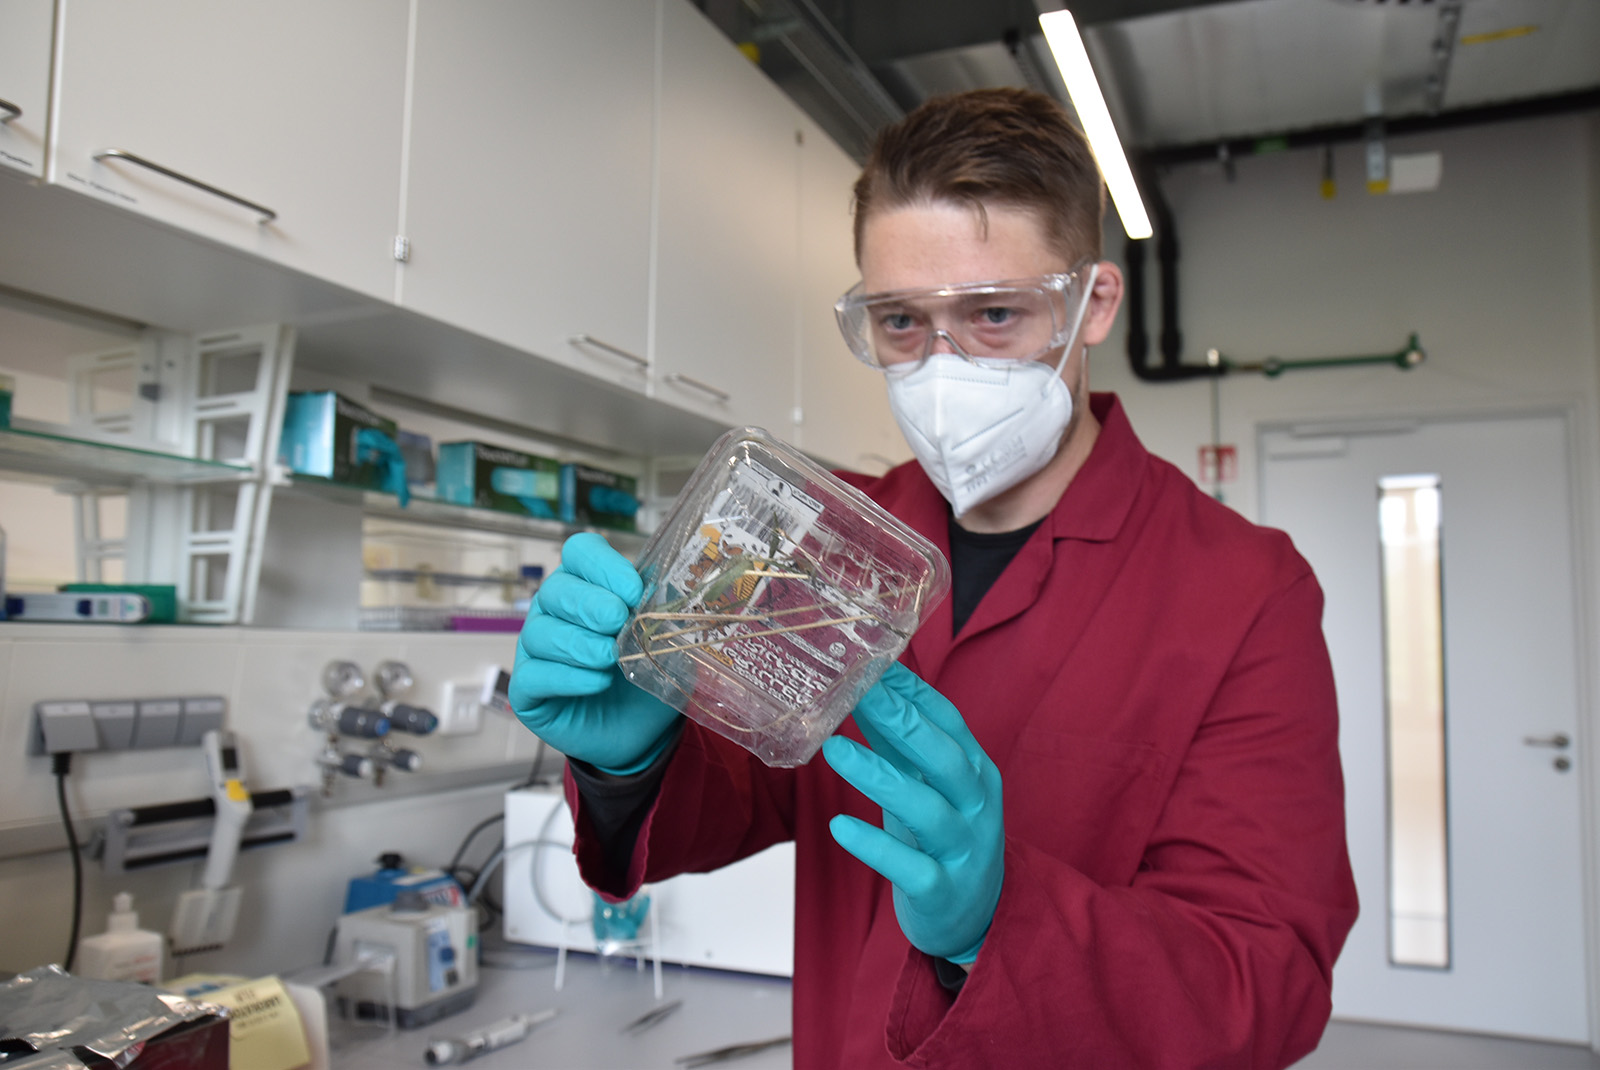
(434, 951)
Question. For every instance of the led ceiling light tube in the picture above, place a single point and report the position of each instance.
(1061, 32)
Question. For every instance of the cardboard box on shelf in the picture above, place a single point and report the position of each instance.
(319, 438)
(595, 497)
(498, 477)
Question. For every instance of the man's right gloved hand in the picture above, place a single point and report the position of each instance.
(566, 686)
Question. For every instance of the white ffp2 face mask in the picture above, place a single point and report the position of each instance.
(980, 426)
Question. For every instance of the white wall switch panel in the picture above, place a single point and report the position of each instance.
(460, 712)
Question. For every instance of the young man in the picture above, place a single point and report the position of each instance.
(1095, 818)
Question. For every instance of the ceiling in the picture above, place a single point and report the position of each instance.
(1178, 72)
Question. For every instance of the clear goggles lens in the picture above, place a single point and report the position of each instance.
(1021, 319)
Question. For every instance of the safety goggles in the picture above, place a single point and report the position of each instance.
(1015, 319)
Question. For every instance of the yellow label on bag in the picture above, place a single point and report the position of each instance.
(263, 1026)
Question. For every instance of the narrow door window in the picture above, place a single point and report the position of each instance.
(1413, 638)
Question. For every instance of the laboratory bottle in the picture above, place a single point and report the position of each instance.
(124, 952)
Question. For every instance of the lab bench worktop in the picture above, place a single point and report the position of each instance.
(598, 998)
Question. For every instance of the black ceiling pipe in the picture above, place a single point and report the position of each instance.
(1167, 262)
(1171, 367)
(1138, 337)
(1150, 163)
(1232, 148)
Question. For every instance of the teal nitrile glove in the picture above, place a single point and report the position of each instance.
(942, 844)
(565, 685)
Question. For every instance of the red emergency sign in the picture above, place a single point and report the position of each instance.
(1219, 464)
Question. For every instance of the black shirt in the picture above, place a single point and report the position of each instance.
(976, 560)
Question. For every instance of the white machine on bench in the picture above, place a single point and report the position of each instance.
(740, 917)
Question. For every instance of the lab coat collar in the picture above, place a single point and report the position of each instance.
(1094, 508)
(1097, 501)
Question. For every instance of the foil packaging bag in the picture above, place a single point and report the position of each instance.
(51, 1019)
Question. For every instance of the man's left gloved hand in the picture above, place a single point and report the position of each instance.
(942, 844)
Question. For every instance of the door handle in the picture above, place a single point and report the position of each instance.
(267, 214)
(11, 111)
(1560, 741)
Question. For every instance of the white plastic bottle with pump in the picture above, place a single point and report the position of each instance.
(124, 952)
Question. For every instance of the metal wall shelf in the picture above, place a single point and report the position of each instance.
(439, 513)
(37, 456)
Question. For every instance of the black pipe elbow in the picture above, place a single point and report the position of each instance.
(1171, 368)
(1138, 337)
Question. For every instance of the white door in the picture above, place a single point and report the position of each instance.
(1515, 936)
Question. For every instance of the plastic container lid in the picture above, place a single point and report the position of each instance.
(775, 595)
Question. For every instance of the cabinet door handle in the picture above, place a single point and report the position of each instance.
(267, 214)
(591, 340)
(705, 388)
(11, 110)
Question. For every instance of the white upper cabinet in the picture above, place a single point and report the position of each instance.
(844, 406)
(26, 30)
(726, 266)
(529, 177)
(275, 128)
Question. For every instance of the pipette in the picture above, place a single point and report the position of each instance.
(492, 1037)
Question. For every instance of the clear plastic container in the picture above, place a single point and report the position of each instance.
(775, 596)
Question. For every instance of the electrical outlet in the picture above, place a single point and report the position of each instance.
(124, 724)
(460, 712)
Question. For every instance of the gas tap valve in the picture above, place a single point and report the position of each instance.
(393, 680)
(405, 759)
(335, 763)
(385, 756)
(343, 719)
(339, 714)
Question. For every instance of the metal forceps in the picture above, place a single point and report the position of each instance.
(732, 1051)
(650, 1018)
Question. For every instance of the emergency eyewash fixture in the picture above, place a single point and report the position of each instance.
(1066, 44)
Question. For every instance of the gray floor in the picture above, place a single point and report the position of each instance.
(724, 1008)
(1353, 1046)
(717, 1009)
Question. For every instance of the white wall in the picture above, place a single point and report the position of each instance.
(293, 894)
(269, 677)
(35, 518)
(1495, 271)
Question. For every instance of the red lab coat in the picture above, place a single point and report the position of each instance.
(1150, 677)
